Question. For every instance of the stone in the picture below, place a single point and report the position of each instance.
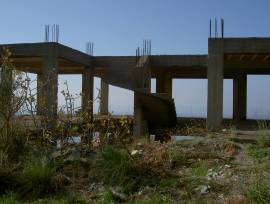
(118, 195)
(134, 152)
(203, 189)
(227, 166)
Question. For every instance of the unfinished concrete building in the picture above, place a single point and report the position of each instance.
(227, 58)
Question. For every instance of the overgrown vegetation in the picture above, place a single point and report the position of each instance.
(108, 165)
(38, 177)
(259, 191)
(118, 168)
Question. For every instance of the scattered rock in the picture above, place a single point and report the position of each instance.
(134, 152)
(223, 173)
(211, 175)
(221, 196)
(227, 166)
(118, 195)
(203, 189)
(152, 137)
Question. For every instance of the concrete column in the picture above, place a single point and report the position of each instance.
(164, 85)
(40, 96)
(215, 87)
(50, 82)
(240, 97)
(6, 81)
(87, 90)
(140, 127)
(104, 98)
(139, 123)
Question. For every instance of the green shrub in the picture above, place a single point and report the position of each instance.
(8, 180)
(199, 169)
(155, 198)
(74, 198)
(18, 146)
(118, 168)
(9, 199)
(107, 198)
(13, 199)
(259, 192)
(263, 140)
(256, 152)
(37, 178)
(177, 158)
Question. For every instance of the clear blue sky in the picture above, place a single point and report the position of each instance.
(117, 27)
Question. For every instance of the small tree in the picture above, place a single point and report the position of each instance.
(13, 90)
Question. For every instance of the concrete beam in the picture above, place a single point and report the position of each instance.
(87, 90)
(125, 76)
(50, 82)
(25, 49)
(39, 49)
(73, 55)
(164, 85)
(244, 45)
(104, 98)
(240, 97)
(215, 86)
(178, 60)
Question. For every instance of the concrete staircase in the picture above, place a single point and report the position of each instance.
(151, 111)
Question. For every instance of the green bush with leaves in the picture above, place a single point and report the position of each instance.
(14, 92)
(37, 178)
(259, 192)
(12, 198)
(8, 180)
(263, 139)
(257, 152)
(118, 168)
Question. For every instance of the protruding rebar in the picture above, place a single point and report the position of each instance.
(142, 49)
(137, 56)
(222, 28)
(56, 32)
(216, 33)
(54, 35)
(47, 33)
(90, 48)
(147, 47)
(150, 47)
(210, 28)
